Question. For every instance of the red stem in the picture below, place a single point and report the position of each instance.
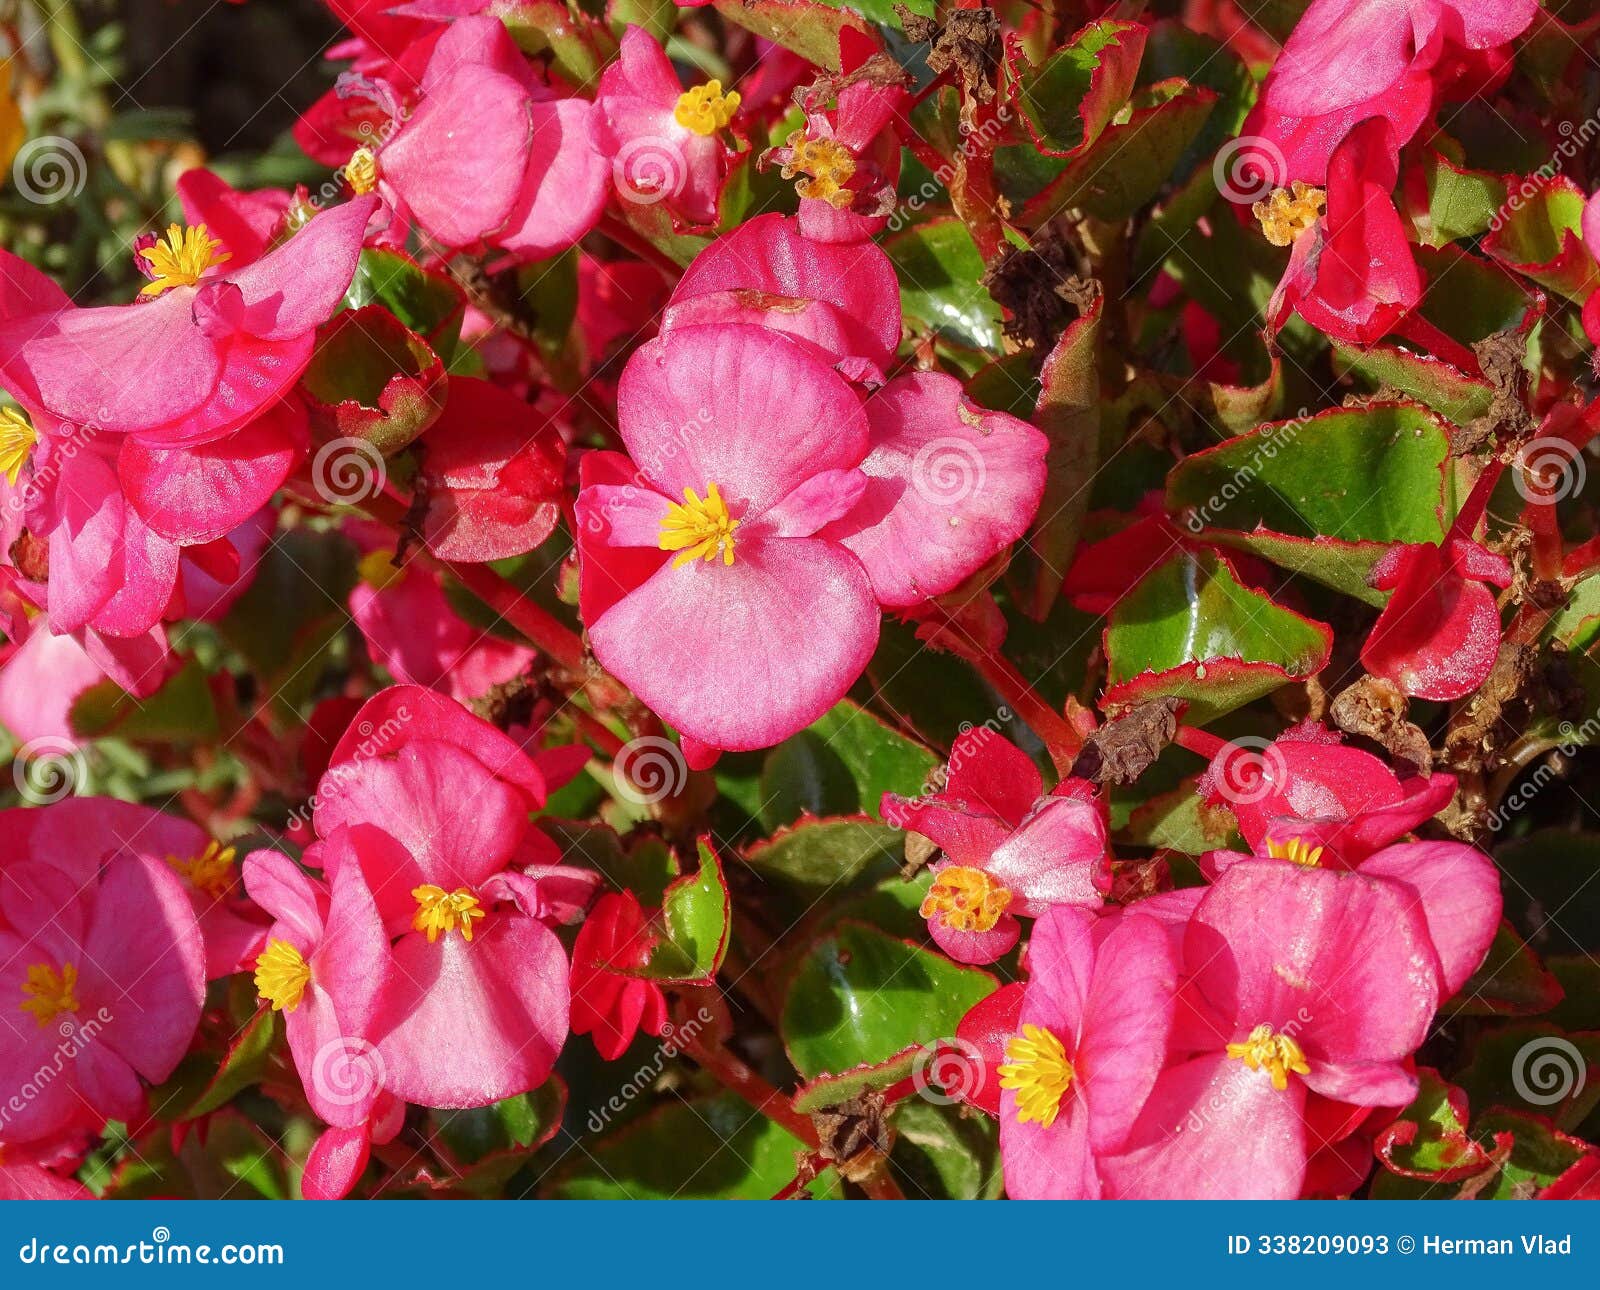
(739, 1079)
(552, 636)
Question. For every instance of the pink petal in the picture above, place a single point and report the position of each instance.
(296, 286)
(566, 182)
(1458, 891)
(1057, 857)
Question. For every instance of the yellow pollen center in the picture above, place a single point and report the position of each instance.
(1276, 1054)
(968, 899)
(17, 438)
(378, 570)
(827, 165)
(706, 109)
(698, 530)
(1298, 850)
(361, 171)
(282, 975)
(210, 872)
(181, 258)
(1286, 213)
(47, 993)
(1038, 1071)
(444, 911)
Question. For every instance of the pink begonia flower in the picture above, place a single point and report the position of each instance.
(206, 349)
(246, 223)
(843, 299)
(846, 159)
(669, 140)
(1009, 851)
(1296, 981)
(1091, 1039)
(429, 806)
(1306, 782)
(608, 1004)
(489, 155)
(22, 1179)
(101, 960)
(1439, 634)
(209, 592)
(40, 680)
(410, 628)
(731, 579)
(323, 965)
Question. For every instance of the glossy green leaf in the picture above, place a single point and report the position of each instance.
(1429, 380)
(826, 854)
(697, 917)
(941, 283)
(860, 996)
(1429, 1139)
(841, 764)
(430, 303)
(940, 1153)
(372, 378)
(1445, 201)
(1070, 99)
(1540, 235)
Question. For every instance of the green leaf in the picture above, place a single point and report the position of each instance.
(1538, 1068)
(808, 28)
(1173, 52)
(825, 854)
(841, 764)
(1176, 820)
(942, 1154)
(1510, 981)
(1070, 99)
(941, 287)
(1190, 628)
(429, 303)
(181, 711)
(201, 1085)
(697, 916)
(1432, 381)
(714, 1148)
(1429, 1139)
(516, 1125)
(576, 45)
(1451, 202)
(859, 996)
(1068, 412)
(372, 378)
(1539, 233)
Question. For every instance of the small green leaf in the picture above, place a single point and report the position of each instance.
(696, 915)
(941, 287)
(429, 303)
(828, 854)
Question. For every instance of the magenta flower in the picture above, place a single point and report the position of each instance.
(732, 580)
(668, 139)
(430, 805)
(490, 155)
(101, 960)
(1009, 850)
(1295, 981)
(1091, 1039)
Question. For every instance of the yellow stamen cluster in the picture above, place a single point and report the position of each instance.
(828, 165)
(17, 438)
(967, 899)
(1285, 213)
(47, 993)
(361, 171)
(706, 109)
(378, 570)
(210, 872)
(282, 975)
(1298, 850)
(181, 258)
(1276, 1054)
(440, 911)
(698, 530)
(1038, 1071)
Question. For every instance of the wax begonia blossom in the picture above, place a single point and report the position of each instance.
(1295, 981)
(669, 145)
(102, 963)
(1009, 850)
(1091, 1039)
(733, 579)
(435, 822)
(608, 1004)
(489, 155)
